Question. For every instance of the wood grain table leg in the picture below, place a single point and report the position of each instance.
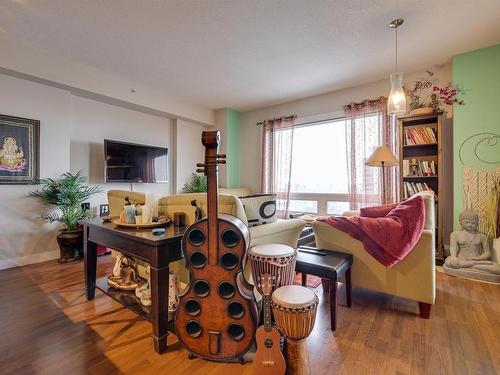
(89, 264)
(333, 304)
(159, 311)
(348, 287)
(304, 279)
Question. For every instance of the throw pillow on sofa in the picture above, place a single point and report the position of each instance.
(260, 208)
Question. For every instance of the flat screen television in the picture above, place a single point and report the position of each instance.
(129, 162)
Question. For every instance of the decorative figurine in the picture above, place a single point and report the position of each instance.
(470, 254)
(413, 167)
(127, 279)
(197, 211)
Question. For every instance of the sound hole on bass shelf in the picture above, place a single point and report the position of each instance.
(235, 310)
(230, 238)
(192, 307)
(193, 328)
(196, 237)
(229, 260)
(201, 288)
(236, 332)
(198, 259)
(226, 290)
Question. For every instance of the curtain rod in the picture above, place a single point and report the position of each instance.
(312, 122)
(277, 118)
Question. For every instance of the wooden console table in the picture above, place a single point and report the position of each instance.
(157, 251)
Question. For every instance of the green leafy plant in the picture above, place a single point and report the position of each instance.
(67, 194)
(195, 184)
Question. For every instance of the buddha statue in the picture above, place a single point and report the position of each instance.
(470, 254)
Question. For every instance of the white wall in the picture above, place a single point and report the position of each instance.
(72, 132)
(312, 106)
(23, 238)
(92, 122)
(190, 151)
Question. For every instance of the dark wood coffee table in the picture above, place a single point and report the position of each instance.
(330, 265)
(157, 251)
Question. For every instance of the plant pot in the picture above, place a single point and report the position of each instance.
(422, 111)
(70, 244)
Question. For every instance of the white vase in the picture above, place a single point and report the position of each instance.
(173, 295)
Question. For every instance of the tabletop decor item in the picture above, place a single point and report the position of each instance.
(19, 150)
(67, 195)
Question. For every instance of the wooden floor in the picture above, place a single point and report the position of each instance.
(48, 327)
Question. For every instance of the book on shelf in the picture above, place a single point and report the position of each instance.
(412, 188)
(419, 168)
(419, 136)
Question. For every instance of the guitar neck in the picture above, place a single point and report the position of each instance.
(267, 312)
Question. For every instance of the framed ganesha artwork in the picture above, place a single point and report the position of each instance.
(19, 150)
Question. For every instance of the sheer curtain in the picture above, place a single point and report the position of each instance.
(277, 142)
(367, 127)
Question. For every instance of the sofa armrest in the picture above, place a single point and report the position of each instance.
(284, 232)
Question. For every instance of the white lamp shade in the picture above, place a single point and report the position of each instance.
(396, 103)
(382, 156)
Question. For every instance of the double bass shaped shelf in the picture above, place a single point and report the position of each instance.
(216, 317)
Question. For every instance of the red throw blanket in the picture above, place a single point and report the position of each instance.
(387, 238)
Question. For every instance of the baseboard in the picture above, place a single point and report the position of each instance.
(28, 259)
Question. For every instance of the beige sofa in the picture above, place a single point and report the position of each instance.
(284, 232)
(412, 278)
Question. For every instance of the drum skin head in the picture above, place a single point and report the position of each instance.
(294, 296)
(272, 250)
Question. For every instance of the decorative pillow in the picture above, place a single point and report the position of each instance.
(376, 211)
(259, 208)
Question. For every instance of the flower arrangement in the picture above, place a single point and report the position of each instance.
(426, 94)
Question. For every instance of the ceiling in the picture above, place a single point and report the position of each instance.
(246, 54)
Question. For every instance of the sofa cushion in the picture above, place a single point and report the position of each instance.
(259, 209)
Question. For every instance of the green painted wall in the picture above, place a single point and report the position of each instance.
(233, 148)
(478, 72)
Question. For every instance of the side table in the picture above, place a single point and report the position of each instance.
(330, 265)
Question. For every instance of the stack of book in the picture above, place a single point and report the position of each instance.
(419, 136)
(419, 168)
(411, 188)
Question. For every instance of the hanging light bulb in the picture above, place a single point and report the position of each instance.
(396, 104)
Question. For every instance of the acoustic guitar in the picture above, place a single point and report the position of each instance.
(268, 358)
(216, 317)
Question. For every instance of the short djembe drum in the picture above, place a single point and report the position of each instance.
(294, 309)
(273, 259)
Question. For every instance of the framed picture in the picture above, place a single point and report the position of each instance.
(19, 150)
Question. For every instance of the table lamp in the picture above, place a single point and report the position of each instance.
(382, 157)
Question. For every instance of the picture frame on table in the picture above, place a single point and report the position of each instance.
(19, 150)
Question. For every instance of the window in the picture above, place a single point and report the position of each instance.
(319, 178)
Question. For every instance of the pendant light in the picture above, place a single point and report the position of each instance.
(396, 104)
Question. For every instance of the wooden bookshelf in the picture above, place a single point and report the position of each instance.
(425, 151)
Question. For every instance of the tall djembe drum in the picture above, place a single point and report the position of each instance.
(294, 309)
(274, 259)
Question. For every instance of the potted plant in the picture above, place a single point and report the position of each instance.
(426, 97)
(67, 194)
(195, 184)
